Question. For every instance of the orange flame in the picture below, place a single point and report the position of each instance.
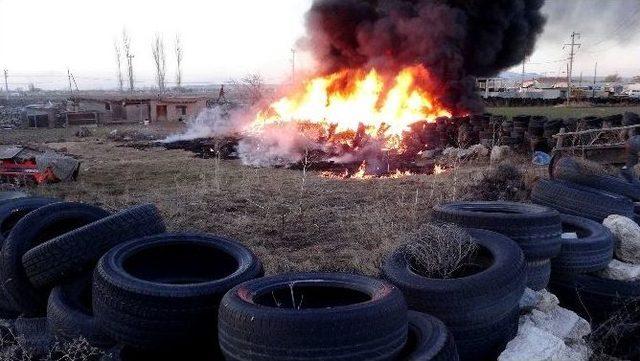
(341, 102)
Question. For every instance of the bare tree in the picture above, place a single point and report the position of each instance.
(179, 56)
(160, 61)
(119, 64)
(126, 44)
(250, 89)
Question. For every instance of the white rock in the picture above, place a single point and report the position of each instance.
(621, 271)
(500, 153)
(479, 150)
(628, 234)
(530, 299)
(548, 301)
(581, 351)
(451, 152)
(535, 344)
(562, 323)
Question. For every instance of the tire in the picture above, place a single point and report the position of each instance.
(536, 229)
(538, 273)
(163, 291)
(9, 195)
(580, 201)
(596, 299)
(592, 251)
(35, 228)
(428, 340)
(567, 169)
(348, 317)
(70, 255)
(11, 211)
(480, 309)
(70, 316)
(35, 336)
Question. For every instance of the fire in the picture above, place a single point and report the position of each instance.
(340, 104)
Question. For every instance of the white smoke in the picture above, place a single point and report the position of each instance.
(211, 122)
(276, 146)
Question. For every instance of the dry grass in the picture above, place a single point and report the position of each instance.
(439, 250)
(293, 220)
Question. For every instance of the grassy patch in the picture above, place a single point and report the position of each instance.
(562, 111)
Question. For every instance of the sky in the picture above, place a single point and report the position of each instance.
(223, 39)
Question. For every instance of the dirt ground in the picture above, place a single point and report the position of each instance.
(292, 220)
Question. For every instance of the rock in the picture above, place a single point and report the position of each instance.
(479, 150)
(534, 344)
(83, 132)
(500, 153)
(627, 232)
(562, 323)
(548, 301)
(451, 152)
(621, 271)
(530, 299)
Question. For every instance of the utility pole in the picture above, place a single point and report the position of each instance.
(293, 66)
(6, 81)
(595, 75)
(69, 76)
(572, 55)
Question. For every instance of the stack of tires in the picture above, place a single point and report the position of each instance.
(586, 198)
(572, 190)
(327, 316)
(505, 132)
(479, 306)
(72, 270)
(520, 125)
(536, 229)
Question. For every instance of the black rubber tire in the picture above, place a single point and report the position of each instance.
(567, 169)
(128, 353)
(348, 318)
(428, 340)
(594, 298)
(35, 335)
(72, 254)
(591, 251)
(163, 291)
(70, 316)
(11, 211)
(537, 230)
(580, 201)
(538, 274)
(8, 195)
(478, 309)
(35, 228)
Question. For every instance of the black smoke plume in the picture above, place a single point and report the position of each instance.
(456, 40)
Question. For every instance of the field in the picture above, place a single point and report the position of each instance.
(292, 220)
(564, 112)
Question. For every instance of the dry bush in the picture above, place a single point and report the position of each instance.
(439, 250)
(505, 182)
(77, 349)
(618, 335)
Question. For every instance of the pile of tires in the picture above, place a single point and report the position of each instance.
(480, 308)
(572, 190)
(327, 316)
(536, 229)
(70, 270)
(119, 281)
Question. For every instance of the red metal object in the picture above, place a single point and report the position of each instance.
(25, 171)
